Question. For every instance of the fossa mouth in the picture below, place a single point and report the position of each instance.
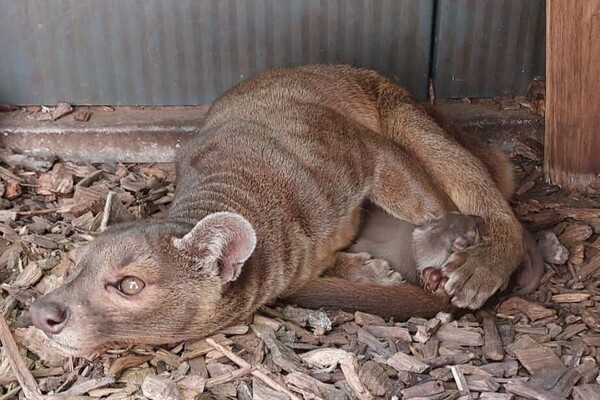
(66, 349)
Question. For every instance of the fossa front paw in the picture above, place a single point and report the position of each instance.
(470, 280)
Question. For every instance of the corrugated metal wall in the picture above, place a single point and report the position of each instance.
(486, 48)
(189, 51)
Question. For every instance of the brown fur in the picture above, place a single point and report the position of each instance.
(496, 162)
(293, 155)
(530, 271)
(370, 298)
(382, 247)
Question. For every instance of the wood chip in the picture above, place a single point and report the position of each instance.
(350, 369)
(528, 392)
(405, 362)
(586, 392)
(160, 388)
(365, 319)
(575, 233)
(222, 374)
(373, 375)
(61, 110)
(283, 356)
(589, 268)
(448, 359)
(570, 297)
(29, 276)
(82, 115)
(571, 331)
(552, 250)
(392, 332)
(533, 356)
(492, 346)
(262, 391)
(496, 396)
(592, 319)
(242, 363)
(58, 180)
(461, 382)
(534, 311)
(12, 190)
(37, 342)
(323, 358)
(82, 388)
(373, 344)
(459, 336)
(424, 390)
(26, 380)
(128, 361)
(114, 212)
(306, 384)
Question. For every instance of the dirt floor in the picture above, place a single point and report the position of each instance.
(544, 346)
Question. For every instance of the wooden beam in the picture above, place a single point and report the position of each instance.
(572, 138)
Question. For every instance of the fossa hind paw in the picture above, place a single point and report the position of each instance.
(379, 272)
(363, 268)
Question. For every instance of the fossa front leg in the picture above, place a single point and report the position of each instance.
(404, 190)
(477, 273)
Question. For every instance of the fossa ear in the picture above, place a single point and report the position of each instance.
(221, 242)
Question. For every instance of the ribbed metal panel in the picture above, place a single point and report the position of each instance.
(486, 48)
(189, 51)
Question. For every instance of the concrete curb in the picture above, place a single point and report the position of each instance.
(152, 134)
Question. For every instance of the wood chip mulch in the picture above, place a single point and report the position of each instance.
(545, 346)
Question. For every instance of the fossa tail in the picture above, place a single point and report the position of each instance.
(400, 302)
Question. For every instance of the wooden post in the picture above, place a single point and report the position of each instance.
(572, 138)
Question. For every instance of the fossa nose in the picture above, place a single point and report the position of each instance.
(49, 316)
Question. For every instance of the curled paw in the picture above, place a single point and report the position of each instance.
(378, 271)
(363, 268)
(471, 279)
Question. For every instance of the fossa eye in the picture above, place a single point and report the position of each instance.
(130, 285)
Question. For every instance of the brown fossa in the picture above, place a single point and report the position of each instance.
(266, 198)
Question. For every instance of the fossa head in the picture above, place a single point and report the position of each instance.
(146, 282)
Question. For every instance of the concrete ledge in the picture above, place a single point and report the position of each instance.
(127, 134)
(483, 114)
(152, 134)
(494, 125)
